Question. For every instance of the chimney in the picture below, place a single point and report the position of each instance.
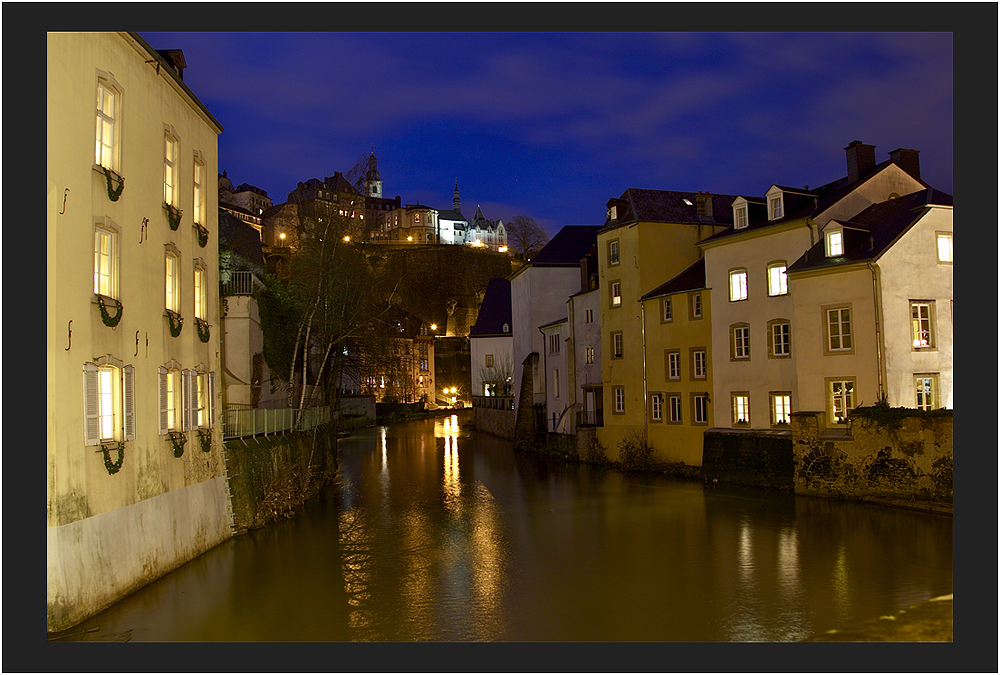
(704, 206)
(174, 59)
(907, 160)
(860, 160)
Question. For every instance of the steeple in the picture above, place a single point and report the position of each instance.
(456, 202)
(373, 183)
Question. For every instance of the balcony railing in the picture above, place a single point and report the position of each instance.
(240, 283)
(493, 402)
(241, 422)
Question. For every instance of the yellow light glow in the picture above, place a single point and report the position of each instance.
(282, 235)
(409, 238)
(503, 249)
(434, 326)
(347, 237)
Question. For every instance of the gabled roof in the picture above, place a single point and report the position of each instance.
(874, 230)
(495, 311)
(669, 206)
(451, 214)
(568, 247)
(690, 279)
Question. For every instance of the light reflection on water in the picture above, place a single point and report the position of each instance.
(434, 533)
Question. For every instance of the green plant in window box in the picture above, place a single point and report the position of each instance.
(204, 331)
(173, 215)
(205, 437)
(175, 320)
(177, 440)
(111, 177)
(102, 302)
(202, 235)
(113, 467)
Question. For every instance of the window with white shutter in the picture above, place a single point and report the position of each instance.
(92, 409)
(190, 387)
(164, 421)
(128, 391)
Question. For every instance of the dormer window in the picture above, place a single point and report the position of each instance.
(775, 207)
(834, 243)
(740, 217)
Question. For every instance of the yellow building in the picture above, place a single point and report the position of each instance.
(135, 476)
(649, 236)
(678, 350)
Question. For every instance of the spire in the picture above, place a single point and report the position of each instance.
(457, 202)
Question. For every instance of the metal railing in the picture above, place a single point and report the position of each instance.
(240, 283)
(493, 402)
(240, 422)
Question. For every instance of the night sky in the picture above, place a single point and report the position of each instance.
(552, 125)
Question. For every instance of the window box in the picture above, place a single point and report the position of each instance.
(173, 215)
(115, 182)
(175, 320)
(204, 330)
(102, 302)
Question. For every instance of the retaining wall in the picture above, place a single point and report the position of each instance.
(757, 457)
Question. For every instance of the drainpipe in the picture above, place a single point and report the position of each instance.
(878, 335)
(645, 393)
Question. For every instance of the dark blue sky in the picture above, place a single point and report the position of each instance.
(552, 125)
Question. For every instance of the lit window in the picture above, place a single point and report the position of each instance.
(740, 341)
(105, 149)
(781, 408)
(921, 332)
(619, 399)
(673, 365)
(674, 403)
(839, 337)
(169, 169)
(701, 408)
(776, 207)
(171, 399)
(834, 243)
(205, 392)
(105, 261)
(590, 355)
(199, 195)
(617, 345)
(926, 390)
(944, 247)
(781, 338)
(172, 282)
(777, 279)
(657, 407)
(109, 402)
(668, 311)
(740, 217)
(841, 399)
(699, 364)
(616, 294)
(200, 302)
(613, 252)
(741, 409)
(737, 285)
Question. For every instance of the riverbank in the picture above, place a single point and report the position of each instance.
(929, 621)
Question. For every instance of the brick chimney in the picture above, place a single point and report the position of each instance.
(907, 160)
(703, 206)
(860, 160)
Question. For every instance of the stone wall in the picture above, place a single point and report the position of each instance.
(757, 457)
(494, 422)
(888, 455)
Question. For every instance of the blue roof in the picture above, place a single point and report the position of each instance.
(495, 311)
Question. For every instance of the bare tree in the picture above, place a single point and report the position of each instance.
(525, 236)
(499, 377)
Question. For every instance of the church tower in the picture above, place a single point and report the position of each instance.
(373, 184)
(456, 202)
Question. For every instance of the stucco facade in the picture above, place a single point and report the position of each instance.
(122, 508)
(586, 387)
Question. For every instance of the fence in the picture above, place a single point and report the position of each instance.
(240, 283)
(239, 422)
(493, 402)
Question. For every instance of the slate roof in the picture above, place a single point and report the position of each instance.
(451, 214)
(495, 311)
(669, 206)
(690, 279)
(569, 246)
(871, 232)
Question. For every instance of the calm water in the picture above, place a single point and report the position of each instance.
(433, 533)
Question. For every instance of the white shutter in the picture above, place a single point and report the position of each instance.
(128, 390)
(190, 400)
(163, 399)
(91, 405)
(211, 399)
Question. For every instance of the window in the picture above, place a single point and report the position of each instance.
(617, 345)
(674, 405)
(741, 408)
(616, 294)
(780, 344)
(588, 316)
(200, 299)
(423, 364)
(619, 399)
(673, 365)
(696, 306)
(105, 258)
(554, 344)
(944, 247)
(781, 408)
(739, 341)
(840, 399)
(589, 355)
(170, 169)
(656, 407)
(737, 285)
(699, 363)
(668, 310)
(834, 243)
(201, 413)
(613, 252)
(921, 324)
(199, 193)
(108, 111)
(740, 217)
(776, 207)
(506, 328)
(172, 282)
(109, 401)
(777, 279)
(489, 360)
(171, 399)
(926, 386)
(838, 321)
(700, 403)
(555, 383)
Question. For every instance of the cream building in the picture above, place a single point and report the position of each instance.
(134, 469)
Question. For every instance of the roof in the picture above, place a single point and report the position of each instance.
(568, 247)
(670, 206)
(871, 232)
(690, 279)
(557, 322)
(495, 311)
(240, 238)
(451, 214)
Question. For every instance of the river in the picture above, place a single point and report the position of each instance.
(435, 533)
